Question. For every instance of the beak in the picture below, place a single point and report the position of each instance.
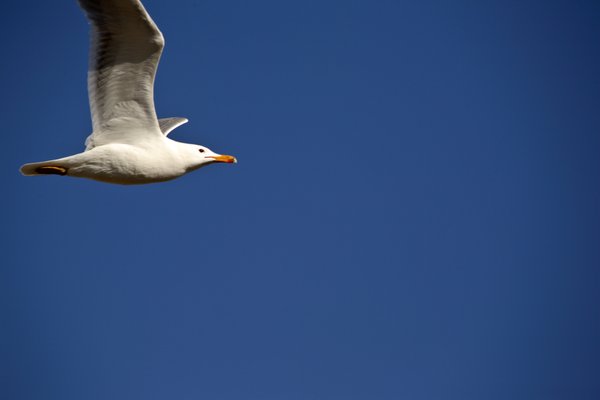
(224, 159)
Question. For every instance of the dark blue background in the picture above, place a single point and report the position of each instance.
(415, 213)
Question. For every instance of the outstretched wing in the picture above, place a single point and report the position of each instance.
(125, 49)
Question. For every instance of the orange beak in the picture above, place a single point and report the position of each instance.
(225, 159)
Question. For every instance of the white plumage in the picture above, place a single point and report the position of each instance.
(129, 144)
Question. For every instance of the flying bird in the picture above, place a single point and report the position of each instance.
(128, 144)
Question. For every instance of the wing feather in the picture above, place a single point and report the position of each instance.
(168, 124)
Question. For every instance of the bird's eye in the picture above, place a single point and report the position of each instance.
(201, 150)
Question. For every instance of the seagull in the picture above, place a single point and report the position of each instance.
(129, 144)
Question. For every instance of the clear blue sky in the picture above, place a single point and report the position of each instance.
(415, 213)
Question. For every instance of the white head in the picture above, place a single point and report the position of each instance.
(198, 156)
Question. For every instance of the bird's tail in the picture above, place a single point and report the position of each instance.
(43, 168)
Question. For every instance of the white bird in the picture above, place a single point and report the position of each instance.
(129, 144)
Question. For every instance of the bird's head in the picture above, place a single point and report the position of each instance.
(201, 156)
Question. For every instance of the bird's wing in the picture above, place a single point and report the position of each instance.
(125, 49)
(168, 124)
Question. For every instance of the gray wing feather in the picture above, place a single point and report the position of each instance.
(168, 124)
(125, 50)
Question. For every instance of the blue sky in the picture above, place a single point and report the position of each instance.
(415, 213)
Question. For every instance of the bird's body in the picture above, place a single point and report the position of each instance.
(129, 144)
(155, 161)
